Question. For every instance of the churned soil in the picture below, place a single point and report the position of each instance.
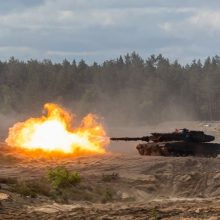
(114, 186)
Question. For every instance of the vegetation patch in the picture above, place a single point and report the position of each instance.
(108, 195)
(63, 186)
(31, 188)
(60, 177)
(110, 177)
(22, 188)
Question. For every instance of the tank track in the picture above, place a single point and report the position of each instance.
(179, 148)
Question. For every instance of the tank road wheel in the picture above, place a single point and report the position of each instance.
(156, 151)
(151, 150)
(144, 149)
(140, 149)
(164, 151)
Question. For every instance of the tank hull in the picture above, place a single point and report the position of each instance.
(179, 148)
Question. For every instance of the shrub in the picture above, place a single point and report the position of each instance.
(60, 177)
(108, 195)
(22, 188)
(110, 177)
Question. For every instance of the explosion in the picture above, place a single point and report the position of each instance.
(54, 132)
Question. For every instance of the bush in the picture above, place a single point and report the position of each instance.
(108, 195)
(110, 177)
(60, 177)
(22, 188)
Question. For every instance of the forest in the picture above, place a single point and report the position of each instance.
(124, 91)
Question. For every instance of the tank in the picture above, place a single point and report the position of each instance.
(182, 142)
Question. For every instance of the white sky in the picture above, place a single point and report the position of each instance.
(96, 30)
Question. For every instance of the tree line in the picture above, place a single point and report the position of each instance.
(125, 90)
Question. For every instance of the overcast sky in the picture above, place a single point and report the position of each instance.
(96, 30)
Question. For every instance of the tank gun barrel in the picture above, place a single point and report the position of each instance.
(185, 135)
(144, 138)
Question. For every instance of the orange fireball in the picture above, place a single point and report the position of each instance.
(53, 132)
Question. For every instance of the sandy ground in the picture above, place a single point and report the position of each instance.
(145, 187)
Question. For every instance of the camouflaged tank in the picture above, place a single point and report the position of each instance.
(182, 142)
